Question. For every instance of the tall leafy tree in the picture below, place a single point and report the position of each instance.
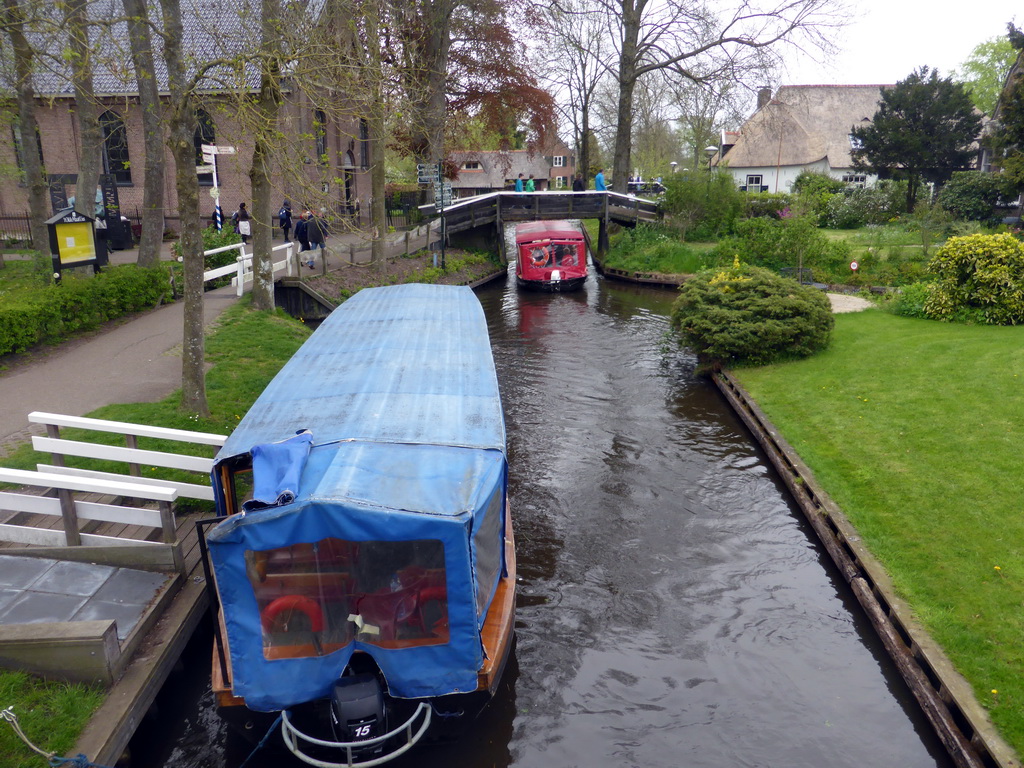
(141, 46)
(90, 132)
(924, 130)
(1006, 137)
(985, 70)
(703, 44)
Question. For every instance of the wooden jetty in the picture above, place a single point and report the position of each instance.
(123, 520)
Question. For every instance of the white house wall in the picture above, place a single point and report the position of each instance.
(781, 179)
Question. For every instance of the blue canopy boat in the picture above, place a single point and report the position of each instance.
(365, 565)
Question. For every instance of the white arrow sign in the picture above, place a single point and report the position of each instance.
(215, 149)
(205, 169)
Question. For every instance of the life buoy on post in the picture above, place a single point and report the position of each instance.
(293, 603)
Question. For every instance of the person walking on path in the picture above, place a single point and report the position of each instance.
(302, 231)
(243, 226)
(316, 232)
(530, 184)
(578, 184)
(284, 218)
(519, 183)
(599, 184)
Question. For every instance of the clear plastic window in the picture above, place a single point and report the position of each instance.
(316, 598)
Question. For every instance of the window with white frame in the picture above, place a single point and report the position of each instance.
(561, 182)
(559, 161)
(471, 165)
(855, 143)
(754, 183)
(855, 179)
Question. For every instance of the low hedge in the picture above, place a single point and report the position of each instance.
(79, 303)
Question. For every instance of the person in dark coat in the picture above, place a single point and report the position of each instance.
(284, 218)
(301, 231)
(316, 233)
(243, 224)
(578, 184)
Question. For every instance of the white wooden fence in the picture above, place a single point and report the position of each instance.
(242, 268)
(66, 481)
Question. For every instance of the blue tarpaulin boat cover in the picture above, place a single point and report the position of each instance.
(398, 390)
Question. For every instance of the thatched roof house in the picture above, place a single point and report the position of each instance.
(804, 127)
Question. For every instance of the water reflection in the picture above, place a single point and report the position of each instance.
(672, 610)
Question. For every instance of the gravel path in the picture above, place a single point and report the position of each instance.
(843, 303)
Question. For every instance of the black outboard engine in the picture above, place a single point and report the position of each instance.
(357, 708)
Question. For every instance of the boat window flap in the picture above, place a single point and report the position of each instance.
(277, 468)
(315, 598)
(304, 585)
(488, 547)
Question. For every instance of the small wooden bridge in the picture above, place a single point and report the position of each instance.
(480, 221)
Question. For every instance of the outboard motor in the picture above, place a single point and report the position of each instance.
(357, 708)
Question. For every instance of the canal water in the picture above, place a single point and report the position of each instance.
(674, 610)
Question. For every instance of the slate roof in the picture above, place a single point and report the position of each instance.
(804, 124)
(211, 29)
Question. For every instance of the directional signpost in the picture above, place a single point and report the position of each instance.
(210, 152)
(433, 173)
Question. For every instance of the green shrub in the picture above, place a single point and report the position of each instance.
(653, 248)
(790, 242)
(78, 303)
(870, 205)
(910, 300)
(703, 206)
(972, 195)
(772, 205)
(750, 315)
(980, 278)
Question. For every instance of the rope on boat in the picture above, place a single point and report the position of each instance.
(78, 761)
(263, 741)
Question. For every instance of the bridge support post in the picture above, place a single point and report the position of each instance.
(602, 237)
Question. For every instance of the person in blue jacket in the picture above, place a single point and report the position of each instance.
(599, 184)
(519, 183)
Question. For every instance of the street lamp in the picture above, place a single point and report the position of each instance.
(673, 165)
(710, 152)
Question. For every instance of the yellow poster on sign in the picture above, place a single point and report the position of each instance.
(76, 242)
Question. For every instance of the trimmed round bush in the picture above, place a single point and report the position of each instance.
(748, 315)
(980, 278)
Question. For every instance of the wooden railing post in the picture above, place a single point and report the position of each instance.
(67, 512)
(133, 442)
(52, 430)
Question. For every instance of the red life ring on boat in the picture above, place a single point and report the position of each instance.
(301, 603)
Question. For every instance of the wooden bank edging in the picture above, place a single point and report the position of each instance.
(946, 698)
(656, 279)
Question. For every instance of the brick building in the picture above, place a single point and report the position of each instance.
(328, 157)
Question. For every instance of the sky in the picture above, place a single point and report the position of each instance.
(886, 40)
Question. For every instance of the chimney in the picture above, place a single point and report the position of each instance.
(764, 95)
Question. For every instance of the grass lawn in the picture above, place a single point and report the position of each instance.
(916, 429)
(246, 351)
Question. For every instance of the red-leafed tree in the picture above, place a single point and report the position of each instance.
(465, 58)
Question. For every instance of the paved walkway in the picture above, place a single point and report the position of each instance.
(124, 362)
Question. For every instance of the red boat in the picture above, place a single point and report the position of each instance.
(550, 256)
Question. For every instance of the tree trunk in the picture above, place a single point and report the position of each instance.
(153, 133)
(631, 17)
(429, 75)
(90, 134)
(374, 107)
(267, 109)
(182, 127)
(35, 174)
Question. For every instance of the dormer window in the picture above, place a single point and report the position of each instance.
(472, 165)
(856, 143)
